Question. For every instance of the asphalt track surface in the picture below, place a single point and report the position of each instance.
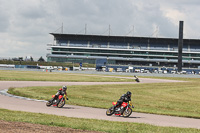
(18, 104)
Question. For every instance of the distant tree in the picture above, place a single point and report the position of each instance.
(32, 58)
(41, 59)
(15, 59)
(20, 60)
(29, 58)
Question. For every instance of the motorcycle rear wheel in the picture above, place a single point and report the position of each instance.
(110, 111)
(61, 103)
(127, 112)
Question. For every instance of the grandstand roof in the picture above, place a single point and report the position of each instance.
(124, 39)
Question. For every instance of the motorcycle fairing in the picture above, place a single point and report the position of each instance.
(114, 103)
(124, 104)
(60, 96)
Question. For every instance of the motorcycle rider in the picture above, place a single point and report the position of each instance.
(124, 98)
(136, 78)
(61, 91)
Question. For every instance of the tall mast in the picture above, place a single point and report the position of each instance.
(62, 29)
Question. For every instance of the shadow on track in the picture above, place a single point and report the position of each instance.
(130, 117)
(63, 107)
(135, 117)
(69, 108)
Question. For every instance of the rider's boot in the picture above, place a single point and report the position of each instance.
(51, 100)
(113, 109)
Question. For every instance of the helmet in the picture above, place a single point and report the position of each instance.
(64, 88)
(128, 93)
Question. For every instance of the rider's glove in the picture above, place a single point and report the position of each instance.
(67, 98)
(132, 106)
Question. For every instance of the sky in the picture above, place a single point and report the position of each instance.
(25, 24)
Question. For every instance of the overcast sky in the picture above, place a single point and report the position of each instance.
(25, 24)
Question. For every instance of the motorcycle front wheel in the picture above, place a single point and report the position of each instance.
(61, 103)
(127, 112)
(137, 80)
(49, 103)
(110, 111)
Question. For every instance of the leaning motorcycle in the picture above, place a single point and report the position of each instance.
(59, 102)
(123, 110)
(136, 78)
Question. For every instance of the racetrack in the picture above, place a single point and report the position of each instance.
(12, 103)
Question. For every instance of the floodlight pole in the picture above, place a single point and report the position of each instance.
(109, 30)
(85, 29)
(180, 46)
(62, 29)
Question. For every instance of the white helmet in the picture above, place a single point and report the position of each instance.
(64, 88)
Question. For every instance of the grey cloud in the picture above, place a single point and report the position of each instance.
(33, 12)
(4, 22)
(119, 14)
(4, 19)
(28, 23)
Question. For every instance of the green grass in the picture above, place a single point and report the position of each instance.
(64, 64)
(176, 99)
(55, 76)
(88, 124)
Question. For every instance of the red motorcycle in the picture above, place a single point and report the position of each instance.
(59, 102)
(124, 109)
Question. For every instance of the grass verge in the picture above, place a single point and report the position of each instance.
(56, 76)
(176, 99)
(88, 124)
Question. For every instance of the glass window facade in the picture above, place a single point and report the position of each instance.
(122, 50)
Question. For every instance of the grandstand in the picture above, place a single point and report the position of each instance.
(123, 50)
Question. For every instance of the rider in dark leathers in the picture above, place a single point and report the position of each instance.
(61, 91)
(124, 98)
(136, 78)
